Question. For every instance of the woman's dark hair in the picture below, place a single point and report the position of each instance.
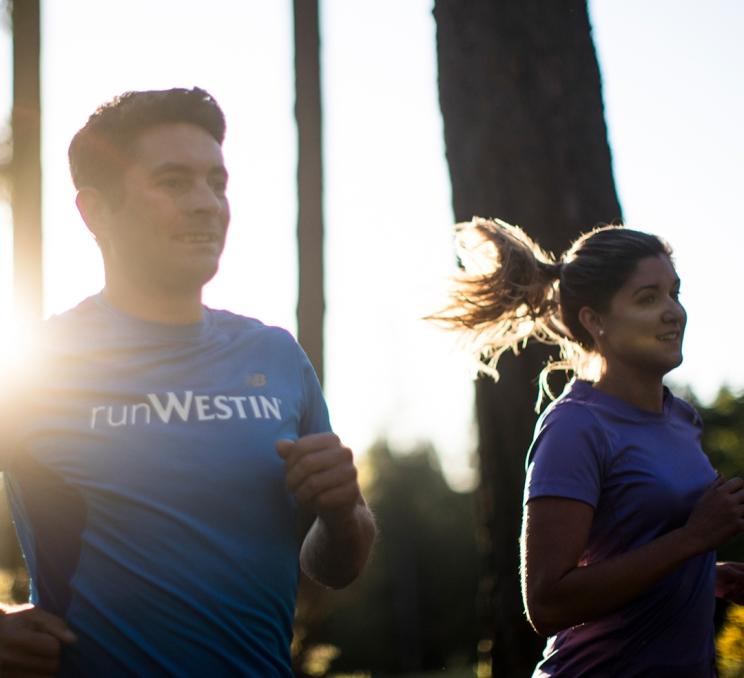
(511, 291)
(101, 150)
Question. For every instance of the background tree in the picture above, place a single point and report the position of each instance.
(26, 158)
(310, 302)
(20, 164)
(526, 141)
(6, 147)
(723, 441)
(310, 245)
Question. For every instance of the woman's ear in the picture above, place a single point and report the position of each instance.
(95, 210)
(591, 321)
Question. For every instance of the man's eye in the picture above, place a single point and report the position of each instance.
(173, 182)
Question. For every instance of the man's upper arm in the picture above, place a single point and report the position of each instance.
(315, 417)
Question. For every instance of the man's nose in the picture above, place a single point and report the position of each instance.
(202, 198)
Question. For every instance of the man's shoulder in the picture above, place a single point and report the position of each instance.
(87, 310)
(229, 320)
(43, 334)
(241, 327)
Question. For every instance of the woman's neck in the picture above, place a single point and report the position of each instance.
(641, 390)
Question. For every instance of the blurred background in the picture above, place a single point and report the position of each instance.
(358, 133)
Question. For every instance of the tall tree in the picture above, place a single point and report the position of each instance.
(311, 303)
(526, 141)
(310, 295)
(26, 159)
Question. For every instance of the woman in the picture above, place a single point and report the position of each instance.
(622, 509)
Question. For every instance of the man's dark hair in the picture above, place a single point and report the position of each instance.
(101, 151)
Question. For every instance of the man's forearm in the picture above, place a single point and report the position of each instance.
(335, 552)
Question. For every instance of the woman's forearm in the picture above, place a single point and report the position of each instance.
(585, 593)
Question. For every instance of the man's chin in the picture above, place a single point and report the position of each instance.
(194, 275)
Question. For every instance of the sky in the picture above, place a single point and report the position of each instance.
(674, 104)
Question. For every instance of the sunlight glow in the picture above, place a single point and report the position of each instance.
(388, 204)
(15, 347)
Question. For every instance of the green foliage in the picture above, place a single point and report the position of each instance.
(414, 609)
(723, 441)
(730, 644)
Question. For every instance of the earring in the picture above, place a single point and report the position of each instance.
(601, 333)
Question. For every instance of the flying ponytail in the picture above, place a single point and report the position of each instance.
(511, 291)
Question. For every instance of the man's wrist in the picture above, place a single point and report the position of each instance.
(339, 523)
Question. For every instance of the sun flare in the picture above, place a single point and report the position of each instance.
(16, 340)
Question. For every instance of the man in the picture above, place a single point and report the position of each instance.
(168, 453)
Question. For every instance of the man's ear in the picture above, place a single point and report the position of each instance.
(591, 321)
(95, 210)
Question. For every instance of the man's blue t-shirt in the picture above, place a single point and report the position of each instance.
(642, 472)
(149, 499)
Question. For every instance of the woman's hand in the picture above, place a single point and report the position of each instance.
(730, 582)
(718, 515)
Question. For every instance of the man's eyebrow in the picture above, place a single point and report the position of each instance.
(168, 167)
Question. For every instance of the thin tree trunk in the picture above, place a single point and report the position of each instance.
(310, 304)
(26, 163)
(311, 604)
(526, 141)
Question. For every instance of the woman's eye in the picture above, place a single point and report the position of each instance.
(648, 299)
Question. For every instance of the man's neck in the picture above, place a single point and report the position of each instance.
(167, 309)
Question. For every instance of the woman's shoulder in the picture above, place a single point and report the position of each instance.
(570, 453)
(573, 409)
(571, 426)
(681, 409)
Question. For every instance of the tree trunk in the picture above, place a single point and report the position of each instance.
(310, 303)
(526, 142)
(311, 601)
(26, 162)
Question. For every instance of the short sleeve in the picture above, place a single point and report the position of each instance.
(314, 418)
(568, 456)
